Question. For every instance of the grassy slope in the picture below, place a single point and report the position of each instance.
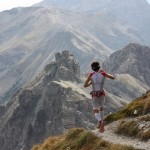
(131, 127)
(141, 105)
(78, 139)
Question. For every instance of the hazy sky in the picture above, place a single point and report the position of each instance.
(8, 4)
(148, 1)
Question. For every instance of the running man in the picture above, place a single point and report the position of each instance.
(96, 79)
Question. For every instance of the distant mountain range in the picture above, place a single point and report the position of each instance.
(133, 13)
(30, 37)
(88, 6)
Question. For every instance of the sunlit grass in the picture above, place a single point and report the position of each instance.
(141, 105)
(79, 139)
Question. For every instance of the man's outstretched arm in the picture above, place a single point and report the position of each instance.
(110, 76)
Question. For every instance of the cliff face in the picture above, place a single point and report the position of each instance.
(46, 107)
(133, 60)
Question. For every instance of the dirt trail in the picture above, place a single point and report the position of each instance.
(110, 136)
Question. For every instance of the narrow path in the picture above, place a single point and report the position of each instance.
(111, 137)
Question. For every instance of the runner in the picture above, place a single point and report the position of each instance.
(96, 79)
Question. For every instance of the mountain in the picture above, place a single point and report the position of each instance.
(87, 6)
(51, 104)
(47, 106)
(54, 102)
(126, 87)
(133, 13)
(30, 37)
(133, 60)
(129, 124)
(34, 35)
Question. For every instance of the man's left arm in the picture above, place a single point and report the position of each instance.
(110, 76)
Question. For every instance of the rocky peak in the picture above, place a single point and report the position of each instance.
(133, 60)
(65, 67)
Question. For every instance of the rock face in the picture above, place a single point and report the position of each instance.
(46, 107)
(133, 60)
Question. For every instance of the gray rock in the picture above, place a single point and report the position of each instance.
(65, 67)
(45, 108)
(133, 60)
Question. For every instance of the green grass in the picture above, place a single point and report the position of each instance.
(141, 105)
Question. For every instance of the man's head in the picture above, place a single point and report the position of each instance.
(95, 66)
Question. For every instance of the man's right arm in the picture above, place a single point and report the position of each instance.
(87, 82)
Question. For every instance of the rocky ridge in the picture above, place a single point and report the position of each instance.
(45, 108)
(52, 103)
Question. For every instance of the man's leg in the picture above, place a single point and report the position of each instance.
(95, 104)
(101, 112)
(97, 114)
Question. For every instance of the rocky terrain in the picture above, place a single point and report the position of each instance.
(45, 107)
(41, 89)
(133, 60)
(110, 136)
(52, 103)
(127, 127)
(131, 125)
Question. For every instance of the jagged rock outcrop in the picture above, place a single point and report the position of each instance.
(46, 107)
(64, 67)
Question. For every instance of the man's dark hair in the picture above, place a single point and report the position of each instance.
(95, 66)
